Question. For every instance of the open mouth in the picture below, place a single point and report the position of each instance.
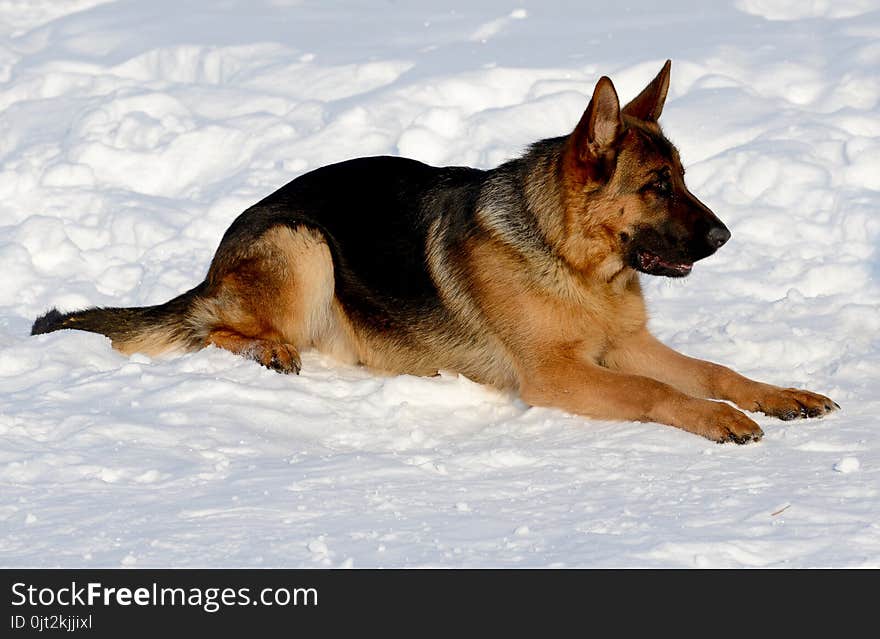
(653, 264)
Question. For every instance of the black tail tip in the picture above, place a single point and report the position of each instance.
(48, 322)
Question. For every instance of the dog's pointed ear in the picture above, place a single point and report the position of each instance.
(601, 123)
(648, 104)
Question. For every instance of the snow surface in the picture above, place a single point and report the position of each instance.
(133, 132)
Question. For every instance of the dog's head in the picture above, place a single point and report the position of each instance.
(625, 195)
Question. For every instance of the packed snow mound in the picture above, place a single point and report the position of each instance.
(133, 133)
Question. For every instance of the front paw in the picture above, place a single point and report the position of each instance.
(723, 423)
(793, 403)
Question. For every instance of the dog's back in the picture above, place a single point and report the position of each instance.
(376, 214)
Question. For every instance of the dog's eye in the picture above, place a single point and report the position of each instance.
(663, 186)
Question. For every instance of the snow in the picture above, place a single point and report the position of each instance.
(847, 465)
(133, 132)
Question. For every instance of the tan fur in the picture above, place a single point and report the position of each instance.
(561, 346)
(154, 343)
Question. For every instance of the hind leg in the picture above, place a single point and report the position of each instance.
(269, 298)
(278, 356)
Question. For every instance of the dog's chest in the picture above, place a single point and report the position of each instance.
(607, 316)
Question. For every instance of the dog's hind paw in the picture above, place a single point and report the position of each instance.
(278, 356)
(282, 358)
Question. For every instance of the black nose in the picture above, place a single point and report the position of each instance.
(717, 236)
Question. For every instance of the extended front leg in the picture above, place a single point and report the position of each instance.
(643, 354)
(594, 391)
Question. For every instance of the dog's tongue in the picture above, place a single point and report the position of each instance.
(650, 262)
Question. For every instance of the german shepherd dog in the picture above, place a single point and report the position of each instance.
(524, 277)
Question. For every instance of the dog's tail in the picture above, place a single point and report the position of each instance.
(151, 330)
